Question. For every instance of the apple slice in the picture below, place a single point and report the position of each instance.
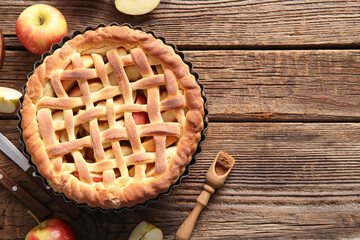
(97, 177)
(140, 117)
(9, 99)
(136, 7)
(121, 51)
(154, 234)
(146, 231)
(132, 73)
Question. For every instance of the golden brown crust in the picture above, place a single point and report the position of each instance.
(98, 194)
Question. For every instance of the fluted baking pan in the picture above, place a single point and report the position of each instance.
(198, 150)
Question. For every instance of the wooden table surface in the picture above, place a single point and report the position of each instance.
(283, 85)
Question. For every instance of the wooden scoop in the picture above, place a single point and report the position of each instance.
(215, 178)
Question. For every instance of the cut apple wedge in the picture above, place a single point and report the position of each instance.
(146, 231)
(136, 7)
(9, 99)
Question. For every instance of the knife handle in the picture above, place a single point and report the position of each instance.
(68, 207)
(34, 205)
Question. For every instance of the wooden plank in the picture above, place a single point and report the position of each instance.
(299, 85)
(196, 24)
(311, 85)
(254, 222)
(290, 180)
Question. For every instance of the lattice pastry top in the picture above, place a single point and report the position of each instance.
(112, 117)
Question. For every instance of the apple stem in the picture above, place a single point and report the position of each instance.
(29, 212)
(41, 21)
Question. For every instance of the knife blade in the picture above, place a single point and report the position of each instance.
(13, 153)
(16, 156)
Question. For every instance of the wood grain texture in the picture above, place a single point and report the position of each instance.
(2, 49)
(312, 85)
(196, 24)
(290, 180)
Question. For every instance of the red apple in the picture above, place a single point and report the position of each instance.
(40, 26)
(51, 229)
(140, 117)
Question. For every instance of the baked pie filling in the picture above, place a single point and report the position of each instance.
(112, 118)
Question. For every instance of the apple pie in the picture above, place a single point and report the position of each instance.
(112, 118)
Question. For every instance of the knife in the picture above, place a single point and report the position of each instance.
(16, 156)
(33, 204)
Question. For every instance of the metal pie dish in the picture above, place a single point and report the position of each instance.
(84, 206)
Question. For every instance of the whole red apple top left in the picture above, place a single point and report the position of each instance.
(40, 26)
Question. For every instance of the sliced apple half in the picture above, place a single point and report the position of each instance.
(146, 231)
(136, 7)
(9, 99)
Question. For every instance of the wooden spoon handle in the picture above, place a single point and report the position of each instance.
(185, 230)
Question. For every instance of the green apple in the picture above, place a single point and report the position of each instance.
(136, 7)
(9, 99)
(146, 231)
